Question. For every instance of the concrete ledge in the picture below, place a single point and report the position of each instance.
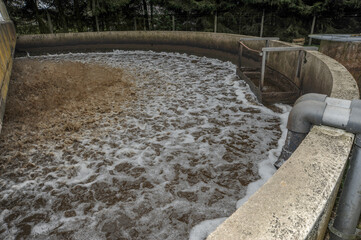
(347, 53)
(296, 202)
(7, 48)
(223, 46)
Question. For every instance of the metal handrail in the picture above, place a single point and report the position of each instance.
(250, 49)
(287, 49)
(259, 39)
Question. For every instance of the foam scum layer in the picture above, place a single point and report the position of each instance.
(128, 145)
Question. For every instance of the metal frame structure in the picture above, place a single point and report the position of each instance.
(252, 72)
(265, 50)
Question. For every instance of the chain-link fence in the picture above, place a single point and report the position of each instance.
(246, 23)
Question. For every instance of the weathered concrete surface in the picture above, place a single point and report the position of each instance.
(347, 53)
(223, 46)
(7, 47)
(297, 196)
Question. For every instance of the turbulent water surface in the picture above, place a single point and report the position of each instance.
(181, 152)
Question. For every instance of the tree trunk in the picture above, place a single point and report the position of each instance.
(77, 15)
(145, 10)
(95, 15)
(135, 23)
(173, 23)
(60, 6)
(34, 7)
(151, 15)
(50, 24)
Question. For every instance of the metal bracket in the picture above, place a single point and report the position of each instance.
(340, 234)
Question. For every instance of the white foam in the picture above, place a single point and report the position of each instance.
(192, 123)
(266, 170)
(202, 230)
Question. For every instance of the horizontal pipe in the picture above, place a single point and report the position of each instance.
(311, 96)
(336, 116)
(338, 102)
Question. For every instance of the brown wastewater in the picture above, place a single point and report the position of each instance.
(130, 145)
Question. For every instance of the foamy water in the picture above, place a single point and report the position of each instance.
(193, 143)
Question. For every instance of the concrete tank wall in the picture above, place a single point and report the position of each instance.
(7, 47)
(296, 202)
(347, 53)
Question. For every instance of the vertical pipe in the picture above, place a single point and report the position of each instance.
(262, 23)
(312, 28)
(263, 68)
(349, 208)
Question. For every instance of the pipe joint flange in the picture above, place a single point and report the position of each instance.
(354, 122)
(339, 234)
(356, 103)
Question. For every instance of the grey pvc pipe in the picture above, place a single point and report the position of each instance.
(293, 140)
(311, 96)
(317, 109)
(349, 208)
(304, 115)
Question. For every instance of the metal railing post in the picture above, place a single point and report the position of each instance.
(263, 69)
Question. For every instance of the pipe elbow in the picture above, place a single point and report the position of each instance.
(305, 114)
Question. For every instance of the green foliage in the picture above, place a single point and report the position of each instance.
(287, 19)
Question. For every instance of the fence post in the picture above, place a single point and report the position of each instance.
(215, 22)
(263, 69)
(173, 22)
(262, 23)
(312, 28)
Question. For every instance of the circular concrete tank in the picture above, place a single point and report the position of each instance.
(345, 48)
(297, 200)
